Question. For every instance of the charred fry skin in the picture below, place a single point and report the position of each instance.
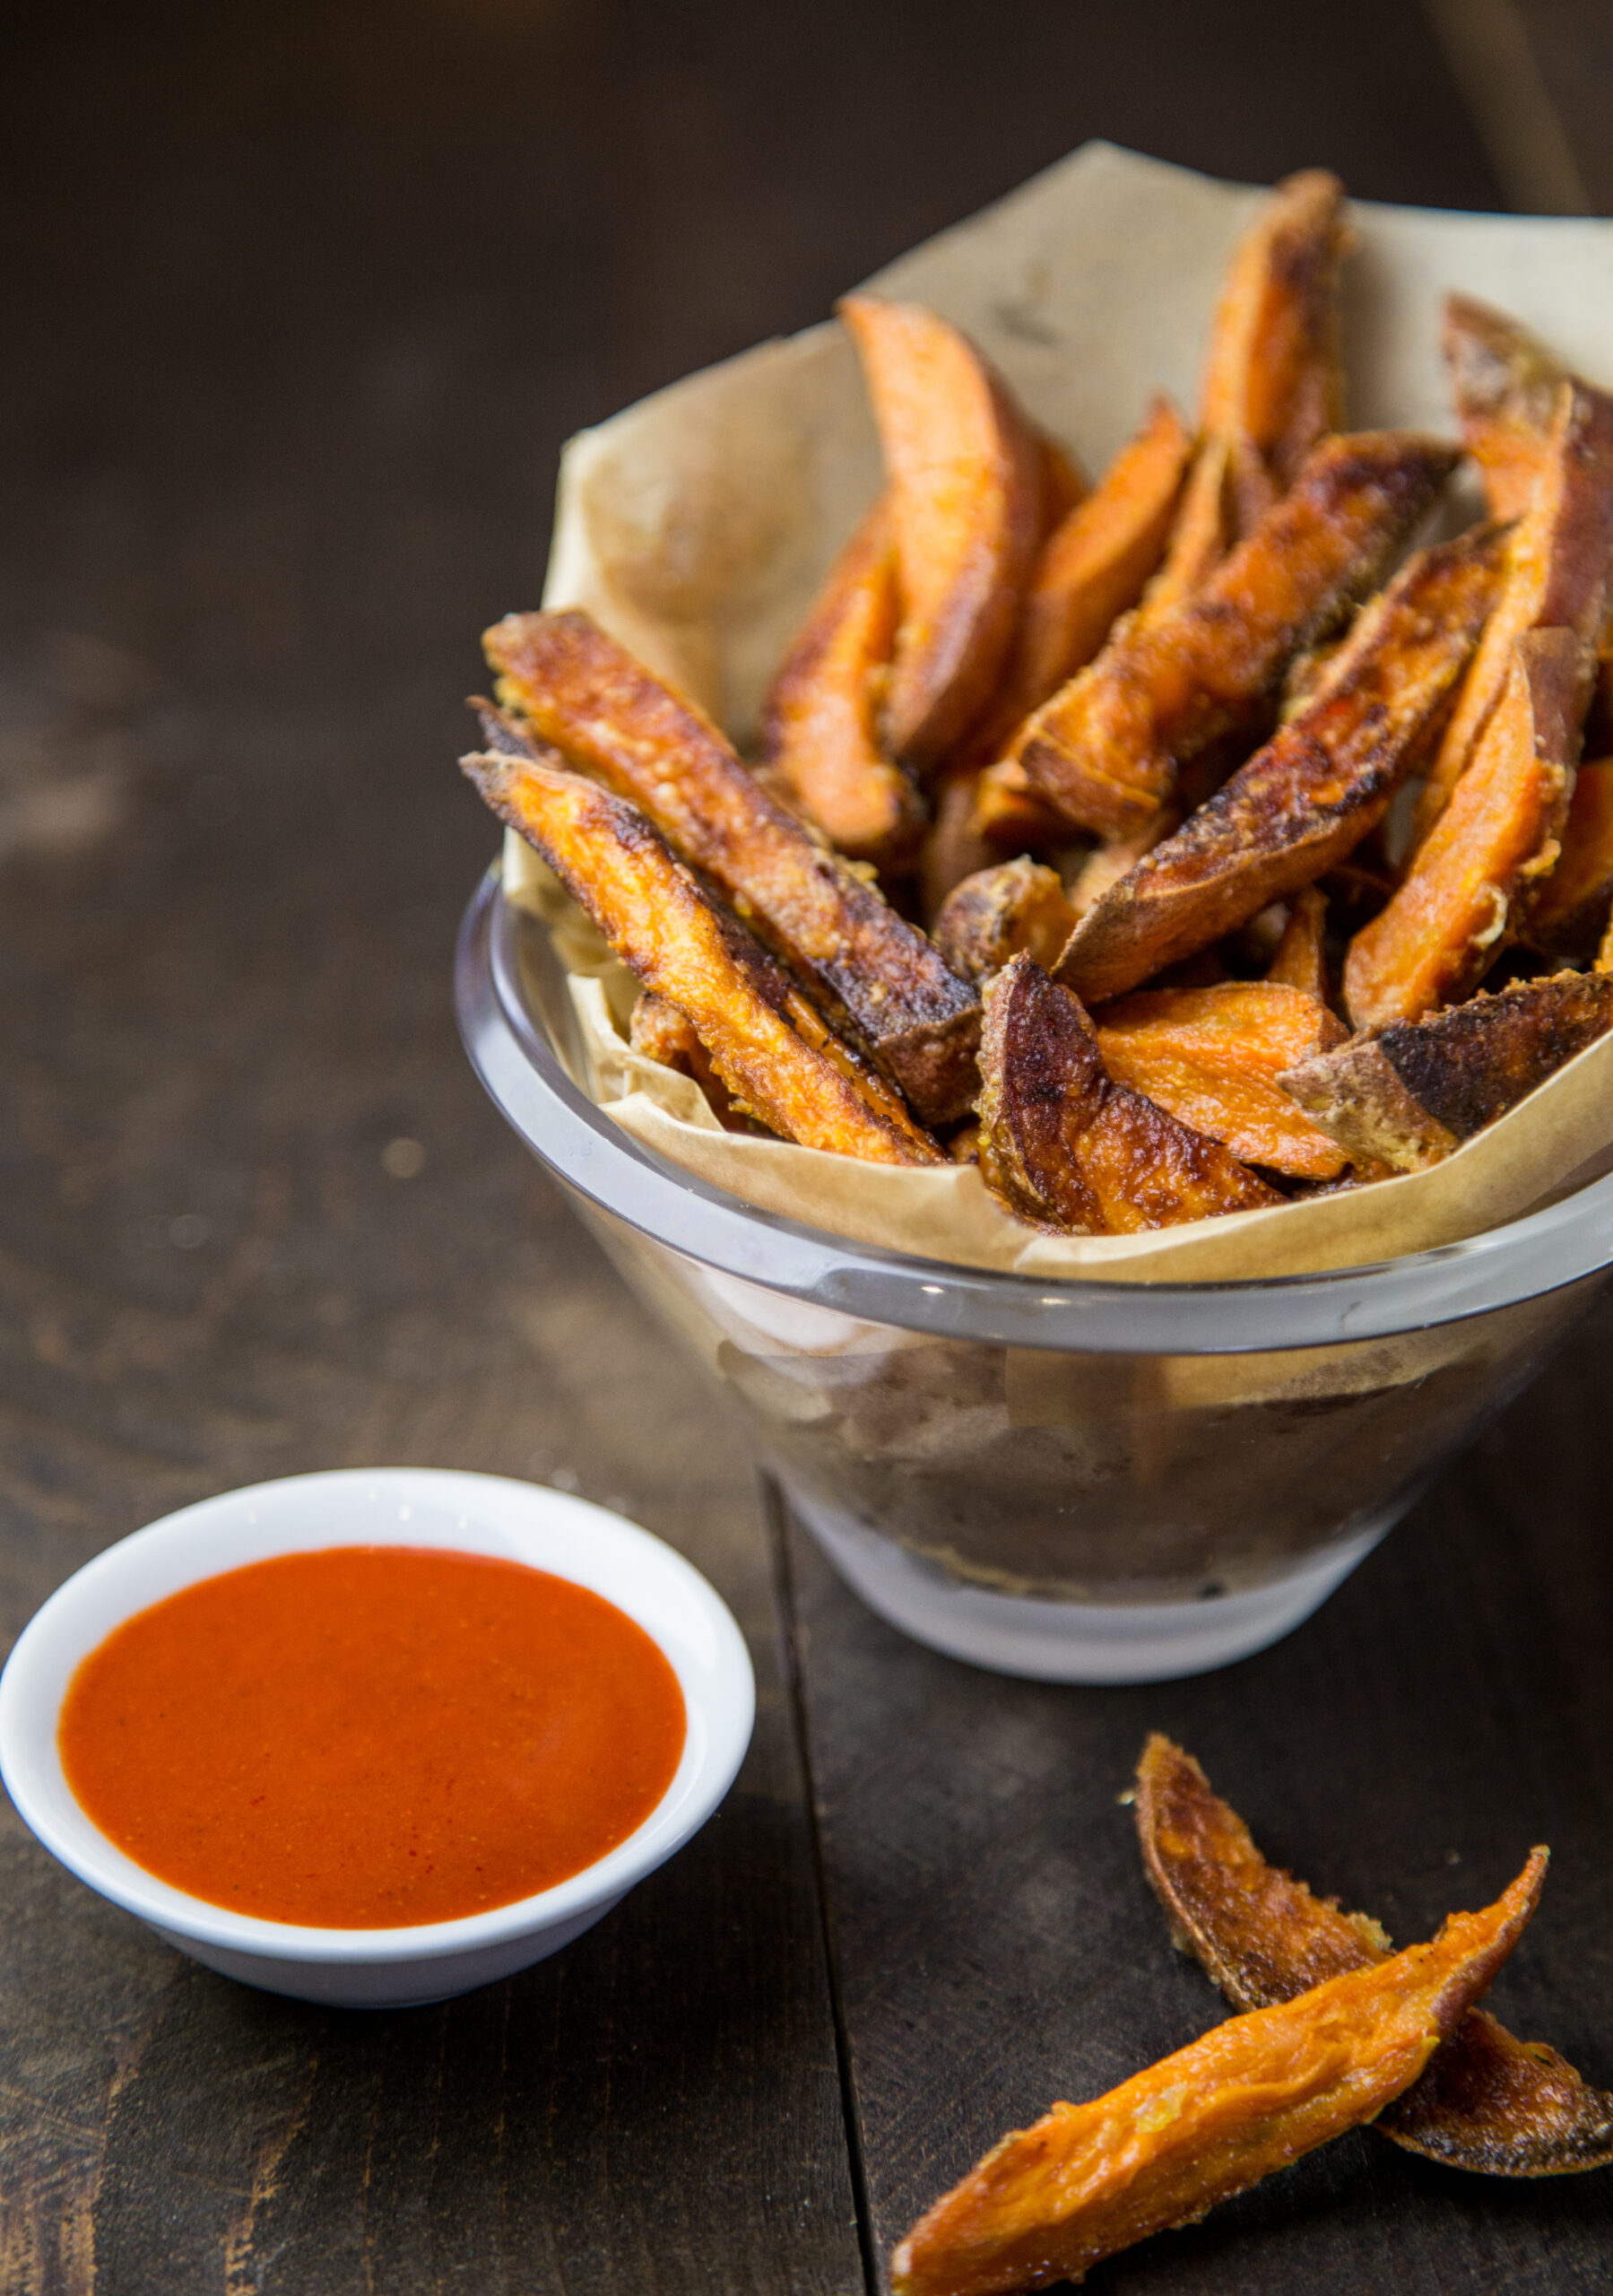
(1558, 576)
(579, 690)
(1092, 568)
(1571, 915)
(1211, 1056)
(657, 918)
(1301, 957)
(1486, 2102)
(1318, 786)
(1411, 1093)
(1505, 384)
(1467, 892)
(1065, 1145)
(965, 472)
(818, 728)
(997, 912)
(1106, 749)
(1254, 2093)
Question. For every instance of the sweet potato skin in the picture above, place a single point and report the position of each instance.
(1410, 1093)
(1107, 748)
(1486, 2102)
(1211, 1057)
(1273, 374)
(965, 472)
(1323, 781)
(819, 725)
(1559, 576)
(1571, 915)
(1253, 2094)
(880, 978)
(1466, 893)
(660, 923)
(1064, 1145)
(1504, 383)
(997, 912)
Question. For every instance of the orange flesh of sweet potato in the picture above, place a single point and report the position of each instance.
(1301, 957)
(1571, 915)
(1410, 1093)
(1462, 898)
(965, 475)
(1505, 385)
(1090, 569)
(659, 922)
(1009, 815)
(605, 711)
(1107, 748)
(1211, 1057)
(1486, 2102)
(1063, 1144)
(819, 726)
(1273, 375)
(1561, 566)
(1323, 781)
(1202, 532)
(1254, 2093)
(997, 912)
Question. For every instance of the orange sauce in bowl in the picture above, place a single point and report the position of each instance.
(369, 1737)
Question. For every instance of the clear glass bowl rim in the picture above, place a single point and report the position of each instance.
(1563, 1244)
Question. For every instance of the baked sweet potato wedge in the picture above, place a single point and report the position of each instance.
(605, 711)
(1211, 1056)
(1560, 576)
(1010, 816)
(1486, 2102)
(1410, 1093)
(1202, 530)
(965, 472)
(660, 1032)
(1064, 1145)
(754, 1024)
(1300, 960)
(1465, 895)
(819, 730)
(1107, 748)
(1092, 568)
(997, 912)
(1249, 2096)
(1571, 915)
(1505, 384)
(1322, 782)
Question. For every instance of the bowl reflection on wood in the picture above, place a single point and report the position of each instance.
(1094, 1482)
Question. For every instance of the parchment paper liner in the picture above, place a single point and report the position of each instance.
(696, 526)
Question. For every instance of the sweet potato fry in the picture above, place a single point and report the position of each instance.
(1301, 957)
(965, 472)
(753, 1023)
(605, 712)
(1092, 568)
(1065, 1145)
(1107, 748)
(1010, 816)
(818, 727)
(660, 1032)
(1571, 915)
(1464, 897)
(1273, 376)
(1316, 788)
(1412, 1092)
(1486, 2102)
(997, 912)
(1253, 2094)
(1202, 532)
(1505, 384)
(1211, 1056)
(1560, 578)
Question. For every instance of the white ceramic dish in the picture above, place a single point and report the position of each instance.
(391, 1506)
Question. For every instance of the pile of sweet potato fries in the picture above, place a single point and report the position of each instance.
(1337, 2029)
(1147, 840)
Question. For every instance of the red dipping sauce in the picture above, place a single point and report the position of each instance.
(368, 1737)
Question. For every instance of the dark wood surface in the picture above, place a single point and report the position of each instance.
(301, 302)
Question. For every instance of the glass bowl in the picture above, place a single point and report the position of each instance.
(1091, 1482)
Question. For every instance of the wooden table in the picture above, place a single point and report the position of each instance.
(301, 302)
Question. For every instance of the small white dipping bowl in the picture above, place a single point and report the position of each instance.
(478, 1514)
